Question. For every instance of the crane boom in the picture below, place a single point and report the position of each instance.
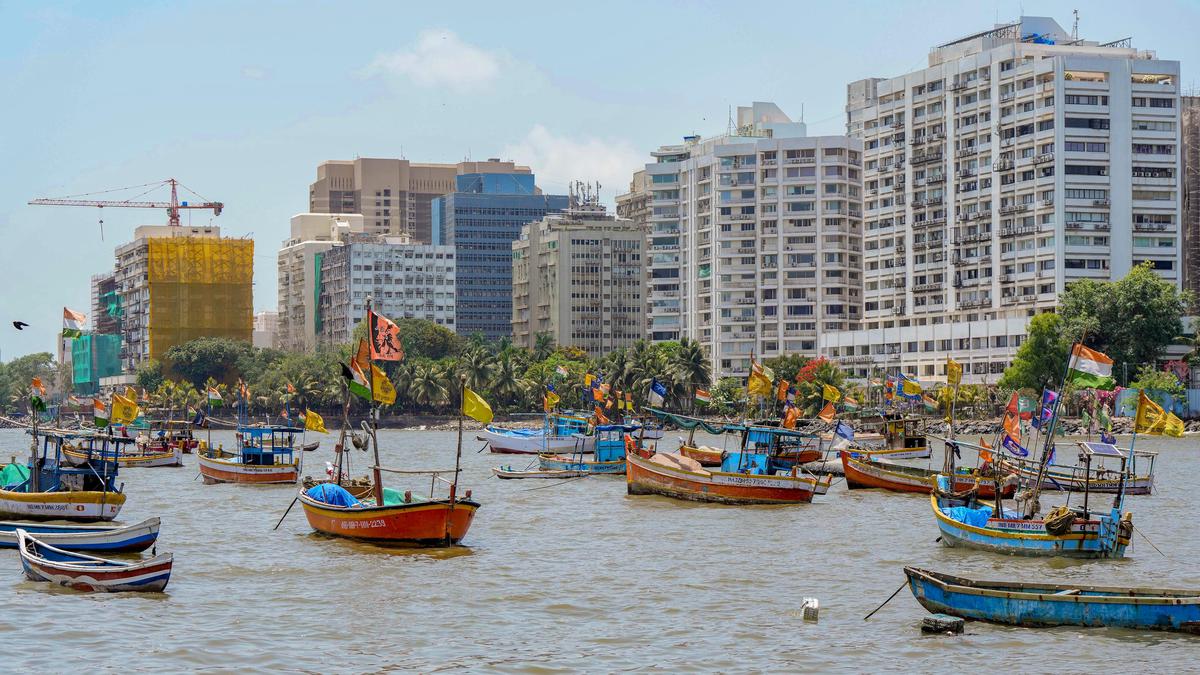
(172, 206)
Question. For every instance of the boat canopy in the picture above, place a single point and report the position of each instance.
(688, 423)
(1101, 450)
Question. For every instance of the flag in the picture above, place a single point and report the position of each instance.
(844, 430)
(827, 413)
(929, 403)
(381, 387)
(562, 370)
(290, 389)
(588, 380)
(1048, 399)
(953, 372)
(629, 401)
(830, 393)
(849, 404)
(475, 407)
(597, 394)
(781, 392)
(1103, 418)
(1090, 369)
(658, 393)
(124, 410)
(761, 379)
(912, 388)
(131, 393)
(1014, 447)
(99, 413)
(600, 418)
(356, 380)
(1153, 420)
(1012, 426)
(703, 396)
(1086, 420)
(550, 400)
(284, 414)
(73, 323)
(790, 416)
(198, 420)
(314, 422)
(984, 444)
(36, 385)
(385, 338)
(985, 456)
(214, 395)
(1025, 406)
(1106, 437)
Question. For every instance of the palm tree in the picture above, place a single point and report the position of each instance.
(811, 392)
(543, 346)
(691, 368)
(478, 366)
(426, 386)
(506, 381)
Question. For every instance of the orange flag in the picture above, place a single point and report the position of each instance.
(1012, 426)
(781, 392)
(827, 413)
(984, 444)
(385, 338)
(600, 416)
(790, 417)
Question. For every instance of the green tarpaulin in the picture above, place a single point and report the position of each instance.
(685, 422)
(13, 474)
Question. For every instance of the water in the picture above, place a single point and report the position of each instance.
(572, 576)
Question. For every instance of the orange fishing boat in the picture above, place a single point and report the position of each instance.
(682, 478)
(705, 455)
(865, 473)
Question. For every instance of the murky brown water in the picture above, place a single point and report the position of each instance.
(573, 576)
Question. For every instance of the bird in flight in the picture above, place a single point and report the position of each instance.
(19, 325)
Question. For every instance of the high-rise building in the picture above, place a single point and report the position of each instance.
(299, 266)
(1021, 159)
(394, 196)
(106, 304)
(175, 284)
(635, 204)
(578, 276)
(1190, 120)
(755, 239)
(266, 327)
(404, 281)
(481, 219)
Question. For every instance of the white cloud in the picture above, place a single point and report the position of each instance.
(559, 160)
(254, 73)
(439, 58)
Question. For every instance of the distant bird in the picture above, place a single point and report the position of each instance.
(19, 325)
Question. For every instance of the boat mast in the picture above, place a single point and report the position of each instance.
(462, 400)
(373, 412)
(1032, 503)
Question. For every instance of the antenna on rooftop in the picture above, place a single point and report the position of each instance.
(729, 124)
(801, 112)
(1075, 26)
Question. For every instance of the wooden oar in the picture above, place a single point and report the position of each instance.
(888, 600)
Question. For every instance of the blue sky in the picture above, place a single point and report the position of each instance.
(241, 101)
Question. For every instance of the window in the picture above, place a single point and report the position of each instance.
(1153, 125)
(1077, 99)
(1086, 122)
(1153, 172)
(1088, 170)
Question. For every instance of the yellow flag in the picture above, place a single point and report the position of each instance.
(381, 386)
(124, 410)
(550, 401)
(1153, 420)
(953, 372)
(760, 380)
(314, 422)
(474, 406)
(911, 387)
(131, 394)
(830, 393)
(1172, 425)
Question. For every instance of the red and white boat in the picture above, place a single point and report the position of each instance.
(82, 572)
(266, 456)
(865, 473)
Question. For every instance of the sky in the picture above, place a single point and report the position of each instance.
(241, 101)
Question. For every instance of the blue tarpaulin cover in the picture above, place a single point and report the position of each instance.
(969, 516)
(334, 495)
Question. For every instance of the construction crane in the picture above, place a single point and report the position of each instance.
(172, 206)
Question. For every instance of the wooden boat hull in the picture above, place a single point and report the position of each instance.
(1103, 537)
(705, 455)
(218, 470)
(533, 444)
(862, 474)
(789, 459)
(1066, 482)
(171, 457)
(561, 463)
(81, 506)
(93, 538)
(645, 477)
(919, 452)
(1018, 604)
(309, 447)
(419, 523)
(507, 474)
(84, 573)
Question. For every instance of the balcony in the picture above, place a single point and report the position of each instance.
(1013, 208)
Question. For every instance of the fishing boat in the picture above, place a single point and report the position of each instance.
(309, 447)
(131, 453)
(508, 473)
(50, 487)
(167, 434)
(1016, 603)
(865, 473)
(556, 435)
(265, 455)
(82, 572)
(704, 455)
(392, 517)
(1075, 532)
(611, 442)
(902, 438)
(1072, 479)
(108, 538)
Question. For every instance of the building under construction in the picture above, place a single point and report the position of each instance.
(176, 284)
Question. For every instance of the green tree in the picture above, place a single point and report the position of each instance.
(1153, 379)
(150, 374)
(690, 367)
(729, 395)
(427, 387)
(810, 390)
(1041, 358)
(16, 375)
(478, 365)
(1131, 320)
(786, 367)
(223, 359)
(543, 346)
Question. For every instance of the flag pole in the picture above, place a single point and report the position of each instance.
(1032, 503)
(462, 402)
(372, 411)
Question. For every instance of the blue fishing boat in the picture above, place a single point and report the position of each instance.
(52, 485)
(611, 441)
(556, 435)
(107, 538)
(1075, 532)
(1024, 604)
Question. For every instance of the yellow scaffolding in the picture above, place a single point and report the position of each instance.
(199, 287)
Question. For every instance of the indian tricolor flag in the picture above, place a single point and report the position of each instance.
(99, 413)
(703, 396)
(1090, 369)
(73, 323)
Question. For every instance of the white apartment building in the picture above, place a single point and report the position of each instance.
(1020, 160)
(404, 281)
(579, 277)
(266, 327)
(299, 264)
(755, 239)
